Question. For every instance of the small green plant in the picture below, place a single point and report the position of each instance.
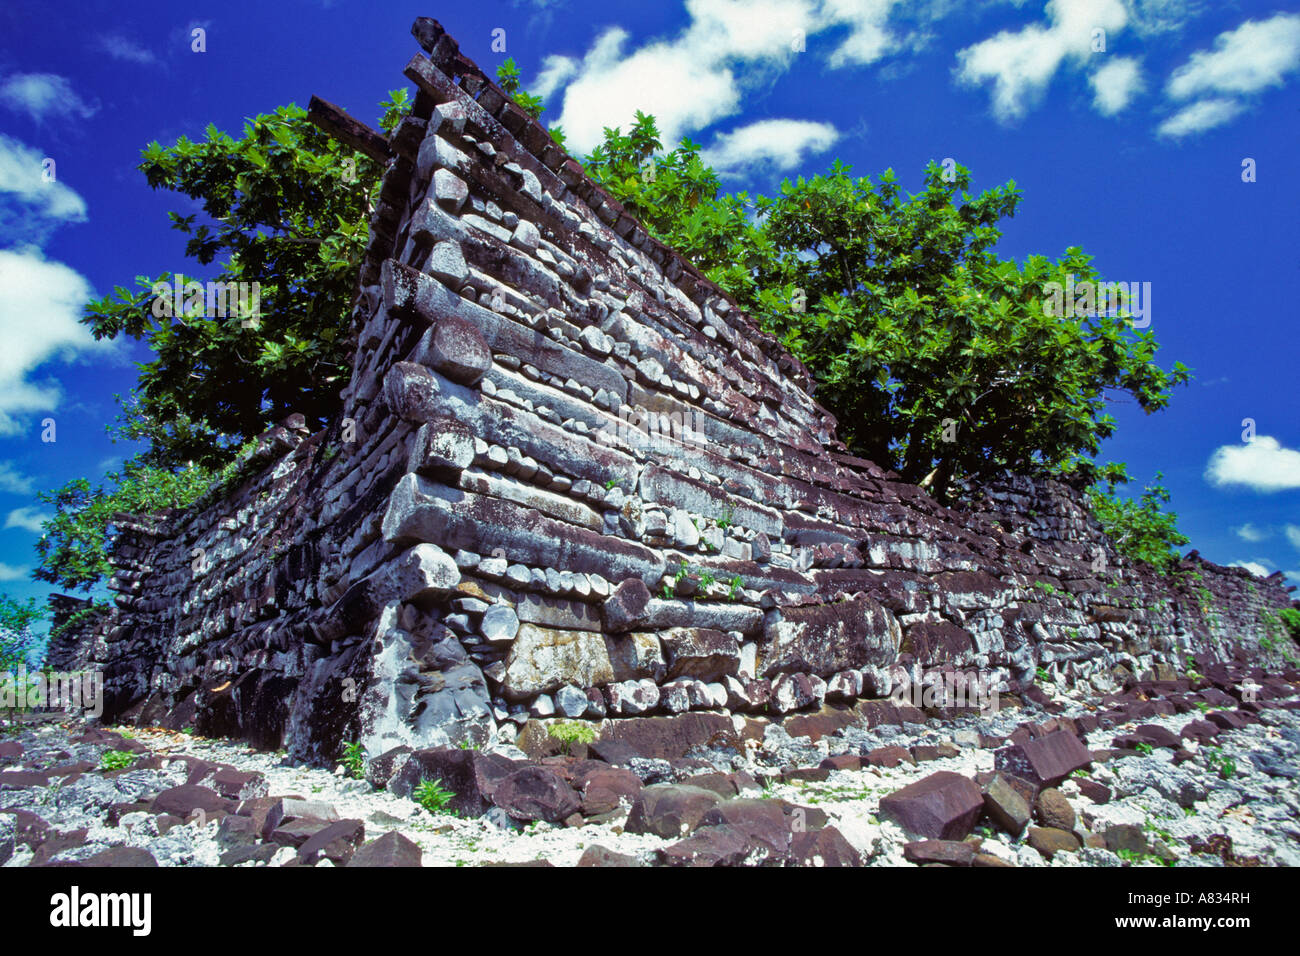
(667, 592)
(733, 588)
(1158, 831)
(611, 484)
(1219, 762)
(354, 760)
(116, 760)
(726, 521)
(1194, 675)
(508, 79)
(1133, 857)
(466, 745)
(1047, 587)
(1082, 772)
(706, 579)
(570, 732)
(1144, 749)
(433, 796)
(1279, 625)
(1140, 528)
(1202, 706)
(1042, 675)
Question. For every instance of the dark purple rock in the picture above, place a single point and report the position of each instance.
(669, 810)
(625, 608)
(942, 806)
(601, 856)
(184, 800)
(391, 849)
(471, 775)
(536, 793)
(712, 846)
(763, 822)
(336, 843)
(947, 852)
(120, 856)
(1044, 761)
(823, 847)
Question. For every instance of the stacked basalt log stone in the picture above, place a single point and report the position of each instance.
(572, 480)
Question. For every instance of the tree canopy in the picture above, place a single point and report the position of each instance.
(18, 645)
(940, 358)
(287, 207)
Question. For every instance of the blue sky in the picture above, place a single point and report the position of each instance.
(1125, 123)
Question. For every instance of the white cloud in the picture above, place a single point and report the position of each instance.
(42, 95)
(30, 207)
(1248, 532)
(1293, 535)
(778, 143)
(27, 518)
(670, 81)
(14, 481)
(1021, 64)
(9, 572)
(125, 49)
(40, 305)
(1150, 17)
(1115, 85)
(1246, 60)
(748, 29)
(1254, 567)
(556, 71)
(1261, 465)
(869, 35)
(1198, 117)
(692, 80)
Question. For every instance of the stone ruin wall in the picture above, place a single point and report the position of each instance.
(490, 531)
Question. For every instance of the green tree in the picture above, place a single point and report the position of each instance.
(285, 207)
(73, 546)
(1141, 529)
(18, 644)
(676, 197)
(939, 357)
(508, 80)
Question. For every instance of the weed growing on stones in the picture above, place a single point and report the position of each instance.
(433, 796)
(570, 732)
(116, 760)
(354, 760)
